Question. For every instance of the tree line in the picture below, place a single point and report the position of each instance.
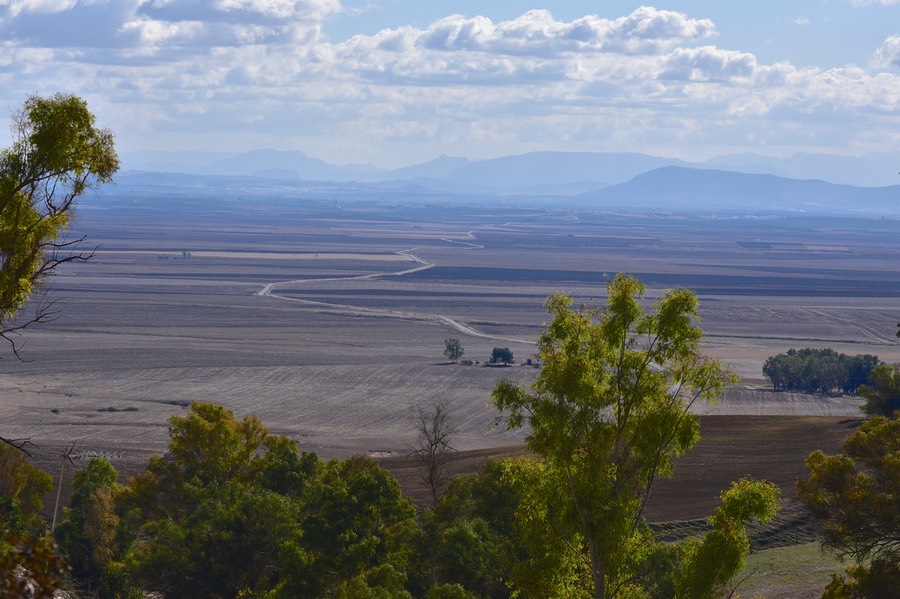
(818, 370)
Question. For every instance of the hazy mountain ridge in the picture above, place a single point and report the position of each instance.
(523, 171)
(673, 188)
(630, 181)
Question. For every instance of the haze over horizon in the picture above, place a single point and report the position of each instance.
(397, 83)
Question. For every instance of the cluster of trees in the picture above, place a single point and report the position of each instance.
(453, 349)
(818, 370)
(235, 511)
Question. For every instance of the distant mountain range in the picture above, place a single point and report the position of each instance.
(672, 188)
(523, 171)
(807, 183)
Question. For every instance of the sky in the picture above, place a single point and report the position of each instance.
(397, 82)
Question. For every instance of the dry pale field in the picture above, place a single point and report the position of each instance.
(327, 319)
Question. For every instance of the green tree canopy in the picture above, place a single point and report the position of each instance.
(818, 370)
(220, 514)
(21, 528)
(501, 355)
(235, 511)
(609, 412)
(87, 533)
(856, 495)
(882, 393)
(57, 154)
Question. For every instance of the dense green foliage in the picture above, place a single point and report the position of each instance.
(882, 393)
(87, 533)
(22, 540)
(609, 413)
(56, 155)
(234, 511)
(709, 564)
(501, 355)
(818, 370)
(856, 495)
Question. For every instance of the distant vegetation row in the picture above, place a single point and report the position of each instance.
(825, 370)
(819, 370)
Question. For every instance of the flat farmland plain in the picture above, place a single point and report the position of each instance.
(326, 317)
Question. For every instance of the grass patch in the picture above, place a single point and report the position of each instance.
(798, 570)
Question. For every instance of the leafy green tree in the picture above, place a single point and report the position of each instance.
(357, 519)
(709, 564)
(221, 514)
(609, 412)
(449, 591)
(453, 349)
(883, 391)
(496, 535)
(22, 487)
(235, 538)
(380, 582)
(22, 541)
(856, 495)
(87, 533)
(56, 156)
(501, 355)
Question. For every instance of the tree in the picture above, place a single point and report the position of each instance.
(453, 349)
(489, 533)
(357, 521)
(708, 564)
(501, 355)
(609, 412)
(56, 156)
(432, 449)
(221, 514)
(856, 495)
(28, 560)
(88, 533)
(883, 391)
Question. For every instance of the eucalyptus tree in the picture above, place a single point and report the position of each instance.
(609, 412)
(56, 156)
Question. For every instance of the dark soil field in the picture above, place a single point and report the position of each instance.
(730, 447)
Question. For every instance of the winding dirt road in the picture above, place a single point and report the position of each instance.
(269, 291)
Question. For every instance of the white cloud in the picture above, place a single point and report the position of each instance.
(244, 73)
(537, 33)
(888, 55)
(708, 64)
(283, 9)
(17, 7)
